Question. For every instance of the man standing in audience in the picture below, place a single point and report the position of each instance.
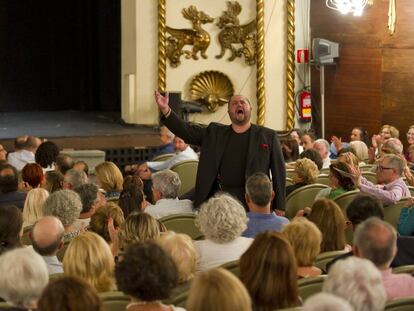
(322, 146)
(230, 154)
(376, 241)
(165, 187)
(9, 183)
(25, 149)
(47, 240)
(259, 196)
(391, 187)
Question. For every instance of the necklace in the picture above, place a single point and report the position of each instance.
(141, 303)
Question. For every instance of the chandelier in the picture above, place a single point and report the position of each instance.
(348, 6)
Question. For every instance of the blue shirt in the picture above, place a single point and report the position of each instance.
(261, 222)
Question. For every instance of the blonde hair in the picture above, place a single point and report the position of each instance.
(218, 289)
(360, 148)
(99, 220)
(89, 257)
(33, 206)
(109, 176)
(306, 171)
(138, 227)
(394, 132)
(349, 158)
(305, 238)
(181, 249)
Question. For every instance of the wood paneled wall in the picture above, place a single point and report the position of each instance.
(373, 82)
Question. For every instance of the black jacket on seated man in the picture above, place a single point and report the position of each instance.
(9, 194)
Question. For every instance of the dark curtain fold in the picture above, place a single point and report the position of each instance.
(60, 55)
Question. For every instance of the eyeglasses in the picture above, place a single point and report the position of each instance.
(382, 168)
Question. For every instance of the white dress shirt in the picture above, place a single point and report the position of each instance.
(187, 154)
(165, 207)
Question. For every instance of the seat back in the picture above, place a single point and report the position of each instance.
(404, 269)
(401, 304)
(61, 253)
(187, 170)
(289, 181)
(411, 188)
(301, 198)
(326, 257)
(162, 157)
(370, 176)
(182, 223)
(392, 212)
(310, 286)
(289, 173)
(343, 201)
(25, 239)
(233, 267)
(323, 179)
(367, 167)
(114, 301)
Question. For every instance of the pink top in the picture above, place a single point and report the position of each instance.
(397, 285)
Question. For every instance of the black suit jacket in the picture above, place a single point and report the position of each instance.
(264, 155)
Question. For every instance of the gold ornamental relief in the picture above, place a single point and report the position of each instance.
(212, 89)
(197, 37)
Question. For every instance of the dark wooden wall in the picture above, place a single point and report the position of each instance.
(373, 83)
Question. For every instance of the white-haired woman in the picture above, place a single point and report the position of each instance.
(222, 220)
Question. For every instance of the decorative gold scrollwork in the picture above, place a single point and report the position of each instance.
(197, 37)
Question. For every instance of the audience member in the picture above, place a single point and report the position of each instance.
(89, 257)
(65, 205)
(46, 155)
(147, 274)
(259, 196)
(25, 148)
(290, 149)
(33, 206)
(3, 154)
(322, 146)
(91, 199)
(47, 240)
(73, 179)
(11, 222)
(132, 198)
(349, 158)
(218, 289)
(32, 174)
(69, 294)
(305, 173)
(54, 181)
(134, 180)
(268, 270)
(339, 181)
(357, 281)
(326, 302)
(307, 139)
(165, 187)
(9, 183)
(109, 178)
(221, 220)
(167, 140)
(296, 134)
(376, 241)
(313, 155)
(23, 278)
(361, 150)
(330, 220)
(138, 227)
(81, 166)
(305, 238)
(64, 163)
(392, 146)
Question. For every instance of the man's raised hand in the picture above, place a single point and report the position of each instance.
(162, 102)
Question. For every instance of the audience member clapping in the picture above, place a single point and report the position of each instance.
(305, 238)
(11, 222)
(339, 181)
(359, 282)
(46, 155)
(138, 227)
(222, 220)
(305, 173)
(53, 181)
(69, 294)
(109, 178)
(269, 272)
(23, 278)
(89, 257)
(33, 206)
(32, 175)
(147, 274)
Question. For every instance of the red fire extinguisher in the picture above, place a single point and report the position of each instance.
(305, 106)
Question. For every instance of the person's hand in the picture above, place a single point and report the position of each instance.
(356, 175)
(371, 155)
(337, 142)
(114, 235)
(24, 187)
(304, 212)
(407, 174)
(144, 172)
(410, 202)
(375, 139)
(162, 102)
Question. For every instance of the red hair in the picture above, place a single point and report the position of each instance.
(32, 173)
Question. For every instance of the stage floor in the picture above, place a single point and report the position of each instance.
(77, 130)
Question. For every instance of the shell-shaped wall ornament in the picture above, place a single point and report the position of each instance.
(211, 88)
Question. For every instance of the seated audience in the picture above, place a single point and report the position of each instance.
(91, 199)
(259, 197)
(73, 179)
(322, 146)
(296, 134)
(9, 184)
(33, 206)
(307, 139)
(360, 134)
(339, 181)
(167, 140)
(89, 257)
(305, 238)
(349, 158)
(46, 155)
(146, 274)
(133, 180)
(361, 150)
(376, 241)
(69, 294)
(305, 173)
(391, 187)
(410, 141)
(109, 178)
(53, 181)
(290, 149)
(132, 198)
(47, 240)
(23, 278)
(11, 222)
(326, 302)
(357, 281)
(138, 227)
(165, 187)
(268, 271)
(81, 166)
(313, 155)
(65, 205)
(32, 175)
(330, 220)
(221, 220)
(25, 148)
(64, 163)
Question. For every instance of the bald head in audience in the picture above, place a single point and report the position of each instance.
(47, 236)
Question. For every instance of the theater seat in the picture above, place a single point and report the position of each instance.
(326, 257)
(163, 157)
(392, 212)
(187, 170)
(310, 286)
(401, 304)
(301, 198)
(404, 269)
(114, 301)
(233, 267)
(182, 223)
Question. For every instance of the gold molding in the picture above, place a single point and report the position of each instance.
(162, 59)
(290, 66)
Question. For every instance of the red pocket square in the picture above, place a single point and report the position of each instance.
(264, 146)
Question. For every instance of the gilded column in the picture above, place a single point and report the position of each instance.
(260, 80)
(290, 68)
(162, 62)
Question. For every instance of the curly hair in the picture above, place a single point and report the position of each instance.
(139, 227)
(65, 205)
(146, 272)
(47, 154)
(306, 171)
(222, 218)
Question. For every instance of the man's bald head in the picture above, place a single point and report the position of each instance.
(47, 235)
